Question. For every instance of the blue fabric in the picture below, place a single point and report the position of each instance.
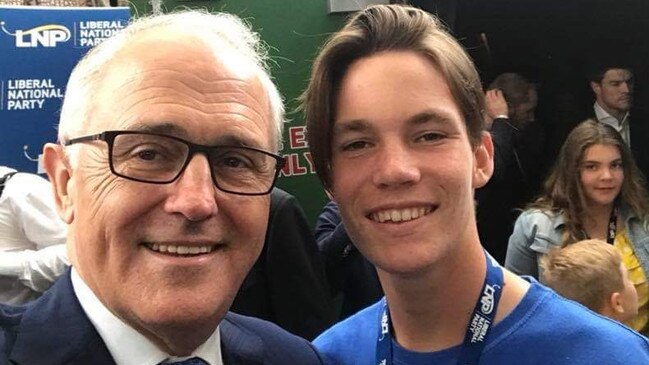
(54, 330)
(543, 329)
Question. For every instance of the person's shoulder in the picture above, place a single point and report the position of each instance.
(27, 184)
(540, 217)
(277, 346)
(353, 340)
(554, 329)
(10, 319)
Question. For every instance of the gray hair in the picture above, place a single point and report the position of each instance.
(223, 31)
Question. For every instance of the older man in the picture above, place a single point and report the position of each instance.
(395, 119)
(168, 138)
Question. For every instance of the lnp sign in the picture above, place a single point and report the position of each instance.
(39, 46)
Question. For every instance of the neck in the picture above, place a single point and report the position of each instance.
(431, 310)
(600, 213)
(615, 113)
(596, 219)
(181, 341)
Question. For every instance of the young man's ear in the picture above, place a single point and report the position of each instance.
(483, 161)
(60, 173)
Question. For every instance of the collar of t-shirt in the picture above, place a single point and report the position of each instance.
(128, 346)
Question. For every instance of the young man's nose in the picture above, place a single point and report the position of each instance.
(396, 166)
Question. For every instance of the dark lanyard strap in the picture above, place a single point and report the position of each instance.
(612, 227)
(479, 327)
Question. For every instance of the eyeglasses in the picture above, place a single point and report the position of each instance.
(161, 159)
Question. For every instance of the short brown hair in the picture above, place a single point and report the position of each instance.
(377, 29)
(516, 88)
(587, 272)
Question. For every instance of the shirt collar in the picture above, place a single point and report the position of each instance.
(604, 117)
(125, 344)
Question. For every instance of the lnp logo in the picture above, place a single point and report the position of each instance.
(45, 35)
(487, 299)
(384, 326)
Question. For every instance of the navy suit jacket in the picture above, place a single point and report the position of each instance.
(54, 330)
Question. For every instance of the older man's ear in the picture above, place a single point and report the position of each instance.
(59, 171)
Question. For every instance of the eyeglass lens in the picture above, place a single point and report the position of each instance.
(155, 158)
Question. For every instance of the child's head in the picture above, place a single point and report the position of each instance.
(591, 272)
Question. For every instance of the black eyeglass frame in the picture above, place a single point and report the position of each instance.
(193, 148)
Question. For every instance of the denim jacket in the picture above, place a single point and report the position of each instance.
(537, 231)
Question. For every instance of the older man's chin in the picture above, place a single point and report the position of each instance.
(180, 328)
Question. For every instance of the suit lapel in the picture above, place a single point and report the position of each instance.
(239, 346)
(55, 330)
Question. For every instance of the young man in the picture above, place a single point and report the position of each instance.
(591, 272)
(395, 118)
(613, 89)
(168, 139)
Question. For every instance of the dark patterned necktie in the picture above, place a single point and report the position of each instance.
(192, 361)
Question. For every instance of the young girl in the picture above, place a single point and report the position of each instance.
(594, 191)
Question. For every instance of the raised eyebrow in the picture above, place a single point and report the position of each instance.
(355, 125)
(166, 128)
(235, 140)
(360, 125)
(430, 116)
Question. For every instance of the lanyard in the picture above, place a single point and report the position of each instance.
(479, 326)
(612, 227)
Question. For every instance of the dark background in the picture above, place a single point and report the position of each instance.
(554, 43)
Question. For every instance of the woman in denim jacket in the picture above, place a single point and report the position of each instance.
(595, 190)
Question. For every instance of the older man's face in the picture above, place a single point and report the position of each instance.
(118, 224)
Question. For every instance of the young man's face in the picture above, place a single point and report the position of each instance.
(403, 169)
(615, 92)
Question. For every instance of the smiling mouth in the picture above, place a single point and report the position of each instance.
(181, 250)
(400, 215)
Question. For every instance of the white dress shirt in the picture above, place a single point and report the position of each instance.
(32, 238)
(621, 126)
(125, 344)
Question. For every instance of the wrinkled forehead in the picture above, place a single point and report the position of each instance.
(171, 74)
(188, 52)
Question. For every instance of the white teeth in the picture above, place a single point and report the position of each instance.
(400, 215)
(181, 250)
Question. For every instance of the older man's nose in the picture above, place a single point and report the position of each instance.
(194, 193)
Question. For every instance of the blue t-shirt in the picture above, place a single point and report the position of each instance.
(543, 329)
